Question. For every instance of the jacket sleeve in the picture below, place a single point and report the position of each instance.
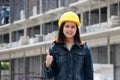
(89, 73)
(50, 72)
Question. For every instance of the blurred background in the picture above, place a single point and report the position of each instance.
(28, 27)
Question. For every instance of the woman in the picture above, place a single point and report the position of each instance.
(69, 58)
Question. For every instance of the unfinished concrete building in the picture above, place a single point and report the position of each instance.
(33, 26)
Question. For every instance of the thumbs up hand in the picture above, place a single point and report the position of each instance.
(49, 59)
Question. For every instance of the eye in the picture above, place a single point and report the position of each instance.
(73, 26)
(67, 26)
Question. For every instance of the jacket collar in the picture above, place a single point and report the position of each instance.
(78, 44)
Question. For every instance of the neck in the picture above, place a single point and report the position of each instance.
(69, 41)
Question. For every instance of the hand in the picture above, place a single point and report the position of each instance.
(49, 59)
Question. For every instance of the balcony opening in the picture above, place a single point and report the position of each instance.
(16, 35)
(94, 17)
(104, 14)
(32, 31)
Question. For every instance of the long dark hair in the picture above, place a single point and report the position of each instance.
(61, 37)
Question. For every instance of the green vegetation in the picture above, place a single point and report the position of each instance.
(4, 65)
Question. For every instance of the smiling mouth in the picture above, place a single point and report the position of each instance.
(69, 33)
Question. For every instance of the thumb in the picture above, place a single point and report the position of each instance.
(47, 51)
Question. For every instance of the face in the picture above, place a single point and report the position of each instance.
(69, 30)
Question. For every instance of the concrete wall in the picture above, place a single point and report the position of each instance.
(30, 69)
(117, 62)
(100, 54)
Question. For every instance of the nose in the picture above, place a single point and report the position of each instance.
(69, 28)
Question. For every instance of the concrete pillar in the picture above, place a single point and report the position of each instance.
(108, 12)
(108, 49)
(66, 3)
(12, 69)
(41, 62)
(81, 17)
(89, 13)
(40, 6)
(59, 3)
(10, 36)
(41, 29)
(99, 16)
(83, 28)
(0, 70)
(11, 18)
(25, 32)
(26, 67)
(26, 9)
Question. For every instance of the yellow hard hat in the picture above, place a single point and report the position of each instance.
(69, 16)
